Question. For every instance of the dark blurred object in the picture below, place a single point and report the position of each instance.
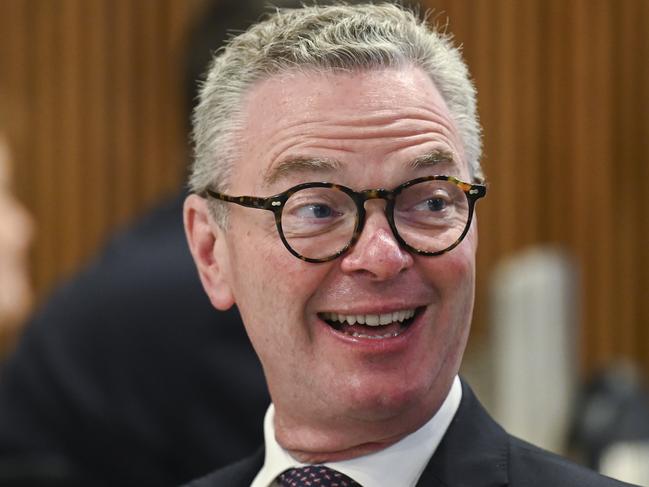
(218, 22)
(128, 374)
(36, 473)
(614, 408)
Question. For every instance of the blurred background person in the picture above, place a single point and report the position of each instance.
(123, 377)
(16, 229)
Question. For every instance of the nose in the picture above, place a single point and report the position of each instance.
(377, 252)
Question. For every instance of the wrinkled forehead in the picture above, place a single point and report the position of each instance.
(307, 90)
(332, 117)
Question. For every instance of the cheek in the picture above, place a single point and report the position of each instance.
(461, 298)
(268, 273)
(271, 287)
(460, 288)
(451, 274)
(453, 277)
(458, 268)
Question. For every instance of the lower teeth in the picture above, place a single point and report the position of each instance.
(387, 335)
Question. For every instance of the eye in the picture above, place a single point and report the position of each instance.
(315, 210)
(317, 205)
(437, 203)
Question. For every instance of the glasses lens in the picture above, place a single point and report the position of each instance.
(431, 215)
(318, 222)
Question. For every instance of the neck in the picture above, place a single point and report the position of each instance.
(339, 439)
(320, 454)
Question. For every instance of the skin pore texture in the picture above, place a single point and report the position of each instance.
(338, 396)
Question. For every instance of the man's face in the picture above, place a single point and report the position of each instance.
(373, 125)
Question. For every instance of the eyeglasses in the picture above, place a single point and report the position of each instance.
(320, 221)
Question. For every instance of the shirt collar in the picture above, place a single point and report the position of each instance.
(399, 464)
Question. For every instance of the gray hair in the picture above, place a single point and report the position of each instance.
(334, 37)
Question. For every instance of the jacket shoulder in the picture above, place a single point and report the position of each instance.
(531, 466)
(239, 474)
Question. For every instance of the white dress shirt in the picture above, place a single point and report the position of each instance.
(400, 464)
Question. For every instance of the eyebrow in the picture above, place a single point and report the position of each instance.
(297, 165)
(433, 158)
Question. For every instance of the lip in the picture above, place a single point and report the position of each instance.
(383, 308)
(372, 345)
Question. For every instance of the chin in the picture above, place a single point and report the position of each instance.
(395, 398)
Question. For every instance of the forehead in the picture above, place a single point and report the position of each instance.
(372, 121)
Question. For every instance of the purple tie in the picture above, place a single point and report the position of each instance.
(315, 476)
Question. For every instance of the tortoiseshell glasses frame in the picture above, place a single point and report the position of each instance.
(276, 204)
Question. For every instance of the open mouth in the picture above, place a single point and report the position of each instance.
(374, 326)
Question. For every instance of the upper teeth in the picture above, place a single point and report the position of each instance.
(371, 320)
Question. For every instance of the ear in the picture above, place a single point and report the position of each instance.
(207, 245)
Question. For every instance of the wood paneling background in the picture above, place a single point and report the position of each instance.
(564, 99)
(99, 81)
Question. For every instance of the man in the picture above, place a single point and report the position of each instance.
(357, 301)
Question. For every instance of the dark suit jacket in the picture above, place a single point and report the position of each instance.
(475, 452)
(128, 376)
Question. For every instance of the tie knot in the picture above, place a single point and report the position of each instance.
(315, 476)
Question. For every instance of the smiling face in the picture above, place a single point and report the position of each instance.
(343, 389)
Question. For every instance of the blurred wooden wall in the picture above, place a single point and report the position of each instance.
(564, 99)
(99, 82)
(563, 90)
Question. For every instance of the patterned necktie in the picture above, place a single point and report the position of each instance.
(315, 476)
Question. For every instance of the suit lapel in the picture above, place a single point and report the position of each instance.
(240, 474)
(248, 470)
(473, 452)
